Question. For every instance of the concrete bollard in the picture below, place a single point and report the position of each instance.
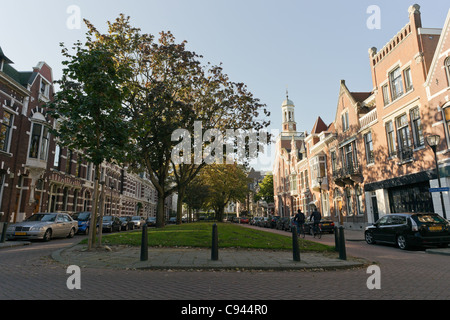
(144, 243)
(215, 244)
(295, 247)
(336, 238)
(342, 252)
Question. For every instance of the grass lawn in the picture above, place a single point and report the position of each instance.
(199, 234)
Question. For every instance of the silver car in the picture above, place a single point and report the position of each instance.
(43, 226)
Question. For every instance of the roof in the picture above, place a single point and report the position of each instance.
(319, 126)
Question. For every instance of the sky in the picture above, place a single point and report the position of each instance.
(305, 47)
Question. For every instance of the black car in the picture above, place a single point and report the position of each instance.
(111, 223)
(127, 224)
(273, 221)
(409, 230)
(284, 223)
(326, 225)
(151, 221)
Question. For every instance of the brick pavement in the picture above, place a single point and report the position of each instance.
(404, 275)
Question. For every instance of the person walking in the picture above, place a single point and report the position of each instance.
(299, 220)
(315, 218)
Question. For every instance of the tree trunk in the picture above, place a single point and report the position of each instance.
(100, 218)
(160, 218)
(93, 223)
(181, 192)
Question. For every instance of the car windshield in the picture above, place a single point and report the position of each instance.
(136, 218)
(430, 218)
(82, 216)
(107, 218)
(151, 218)
(44, 217)
(123, 218)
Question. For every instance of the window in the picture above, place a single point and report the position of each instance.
(369, 147)
(57, 160)
(385, 94)
(390, 138)
(344, 118)
(38, 142)
(417, 128)
(447, 69)
(447, 119)
(359, 200)
(69, 161)
(395, 79)
(403, 136)
(408, 80)
(349, 200)
(45, 88)
(5, 131)
(348, 155)
(333, 161)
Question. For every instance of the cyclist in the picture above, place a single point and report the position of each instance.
(315, 218)
(299, 220)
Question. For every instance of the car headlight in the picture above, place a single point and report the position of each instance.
(36, 228)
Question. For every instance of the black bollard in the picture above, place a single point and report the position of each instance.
(215, 244)
(144, 244)
(336, 238)
(295, 248)
(342, 253)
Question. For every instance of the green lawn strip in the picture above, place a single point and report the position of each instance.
(200, 235)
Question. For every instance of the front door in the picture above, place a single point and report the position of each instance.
(375, 207)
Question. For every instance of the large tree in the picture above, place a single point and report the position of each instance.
(88, 109)
(167, 89)
(226, 182)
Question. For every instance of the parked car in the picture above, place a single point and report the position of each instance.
(254, 221)
(138, 221)
(264, 222)
(273, 221)
(84, 220)
(244, 220)
(127, 224)
(151, 221)
(410, 229)
(326, 225)
(172, 220)
(283, 223)
(43, 226)
(111, 224)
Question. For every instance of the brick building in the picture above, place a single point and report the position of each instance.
(374, 159)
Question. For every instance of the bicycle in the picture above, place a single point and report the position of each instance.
(314, 233)
(301, 231)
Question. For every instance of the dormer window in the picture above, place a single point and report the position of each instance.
(45, 88)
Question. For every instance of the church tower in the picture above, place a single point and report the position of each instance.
(289, 124)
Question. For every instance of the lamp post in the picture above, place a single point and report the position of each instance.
(320, 180)
(433, 141)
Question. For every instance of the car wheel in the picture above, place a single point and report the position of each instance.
(47, 235)
(402, 242)
(369, 238)
(71, 233)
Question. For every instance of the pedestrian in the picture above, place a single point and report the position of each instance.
(315, 218)
(299, 220)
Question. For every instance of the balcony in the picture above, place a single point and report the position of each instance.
(316, 186)
(348, 175)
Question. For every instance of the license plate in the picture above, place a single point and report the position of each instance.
(20, 233)
(325, 224)
(439, 228)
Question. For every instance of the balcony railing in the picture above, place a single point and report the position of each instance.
(368, 118)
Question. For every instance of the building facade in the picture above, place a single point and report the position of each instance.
(373, 159)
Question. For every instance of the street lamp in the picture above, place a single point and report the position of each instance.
(320, 180)
(433, 141)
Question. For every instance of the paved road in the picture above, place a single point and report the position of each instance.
(28, 272)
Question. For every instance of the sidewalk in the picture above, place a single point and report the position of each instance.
(122, 257)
